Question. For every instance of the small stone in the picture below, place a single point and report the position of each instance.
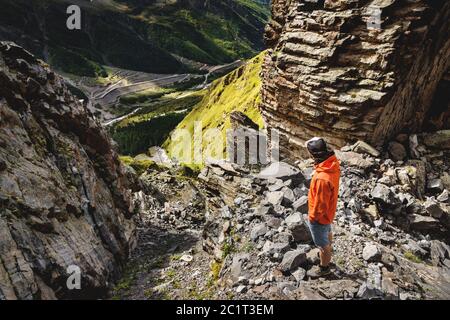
(444, 196)
(226, 212)
(435, 185)
(366, 292)
(274, 223)
(265, 210)
(372, 210)
(299, 274)
(258, 231)
(275, 249)
(356, 230)
(433, 208)
(260, 289)
(187, 258)
(243, 280)
(371, 253)
(236, 266)
(241, 289)
(275, 197)
(282, 171)
(313, 256)
(397, 151)
(383, 195)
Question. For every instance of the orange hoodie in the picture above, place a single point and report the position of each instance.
(324, 190)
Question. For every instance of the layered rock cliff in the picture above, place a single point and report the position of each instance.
(349, 70)
(63, 192)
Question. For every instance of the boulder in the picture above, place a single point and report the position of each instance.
(353, 159)
(439, 252)
(384, 196)
(301, 205)
(277, 248)
(397, 151)
(275, 197)
(282, 171)
(364, 147)
(298, 228)
(288, 197)
(292, 260)
(274, 223)
(438, 140)
(237, 265)
(423, 223)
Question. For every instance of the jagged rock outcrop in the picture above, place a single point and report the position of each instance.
(337, 71)
(63, 191)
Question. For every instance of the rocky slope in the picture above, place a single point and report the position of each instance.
(236, 233)
(332, 72)
(391, 232)
(64, 195)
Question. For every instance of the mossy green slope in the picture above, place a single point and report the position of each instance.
(237, 91)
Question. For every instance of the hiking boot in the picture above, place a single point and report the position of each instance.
(318, 272)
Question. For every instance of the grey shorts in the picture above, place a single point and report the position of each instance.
(320, 233)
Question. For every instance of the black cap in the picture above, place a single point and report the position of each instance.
(319, 149)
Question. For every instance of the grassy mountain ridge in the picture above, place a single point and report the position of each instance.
(136, 35)
(237, 91)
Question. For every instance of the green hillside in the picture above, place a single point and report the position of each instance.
(237, 91)
(141, 35)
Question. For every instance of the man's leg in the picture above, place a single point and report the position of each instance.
(330, 238)
(325, 256)
(324, 241)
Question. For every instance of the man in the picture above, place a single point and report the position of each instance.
(322, 202)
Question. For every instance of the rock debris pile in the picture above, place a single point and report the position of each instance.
(391, 231)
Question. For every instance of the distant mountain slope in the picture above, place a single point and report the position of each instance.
(136, 35)
(237, 91)
(208, 31)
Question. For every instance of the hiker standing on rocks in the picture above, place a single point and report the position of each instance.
(322, 201)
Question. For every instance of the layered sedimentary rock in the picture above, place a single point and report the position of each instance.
(63, 192)
(349, 70)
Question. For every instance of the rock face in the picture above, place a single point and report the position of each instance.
(333, 71)
(63, 192)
